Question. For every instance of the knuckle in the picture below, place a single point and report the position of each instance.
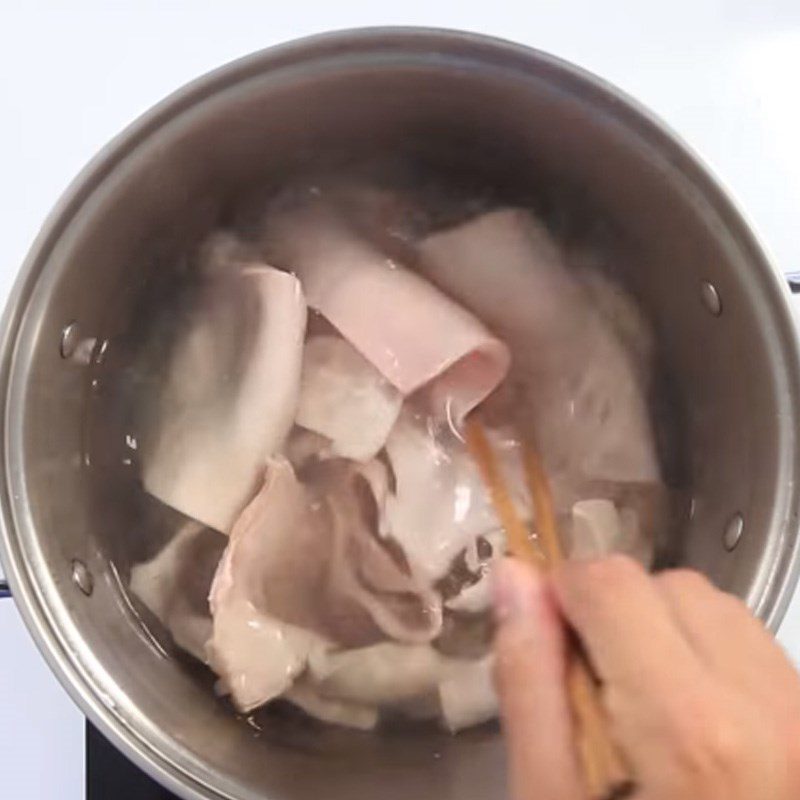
(593, 594)
(614, 574)
(734, 615)
(612, 581)
(684, 581)
(695, 589)
(725, 745)
(707, 742)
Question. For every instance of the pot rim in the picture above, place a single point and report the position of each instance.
(341, 44)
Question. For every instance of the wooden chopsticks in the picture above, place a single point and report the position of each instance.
(604, 770)
(519, 542)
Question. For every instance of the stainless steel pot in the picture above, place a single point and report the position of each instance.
(464, 107)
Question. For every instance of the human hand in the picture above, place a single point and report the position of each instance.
(701, 701)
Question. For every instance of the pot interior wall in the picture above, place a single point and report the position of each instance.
(530, 134)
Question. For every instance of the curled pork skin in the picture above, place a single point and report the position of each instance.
(412, 333)
(573, 376)
(230, 396)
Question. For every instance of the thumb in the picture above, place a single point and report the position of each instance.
(530, 673)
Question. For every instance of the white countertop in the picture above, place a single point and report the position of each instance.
(723, 73)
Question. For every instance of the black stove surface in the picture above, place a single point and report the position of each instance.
(111, 776)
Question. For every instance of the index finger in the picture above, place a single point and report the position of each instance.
(625, 624)
(531, 674)
(657, 690)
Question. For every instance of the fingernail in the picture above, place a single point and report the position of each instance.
(516, 589)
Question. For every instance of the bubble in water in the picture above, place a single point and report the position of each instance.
(100, 352)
